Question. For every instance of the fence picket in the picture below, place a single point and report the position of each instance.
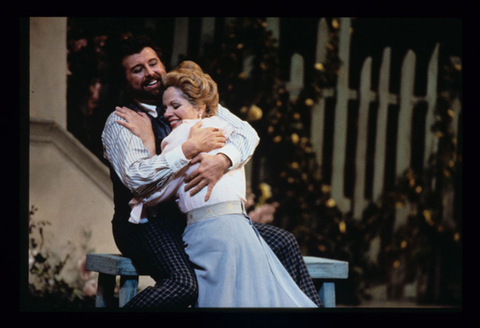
(207, 32)
(381, 133)
(296, 76)
(273, 24)
(405, 114)
(362, 139)
(404, 133)
(180, 39)
(318, 110)
(430, 141)
(340, 121)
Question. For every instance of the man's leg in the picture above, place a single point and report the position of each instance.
(285, 246)
(157, 247)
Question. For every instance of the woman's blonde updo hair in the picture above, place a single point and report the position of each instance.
(198, 87)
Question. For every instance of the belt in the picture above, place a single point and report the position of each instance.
(210, 211)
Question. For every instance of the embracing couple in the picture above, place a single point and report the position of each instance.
(177, 164)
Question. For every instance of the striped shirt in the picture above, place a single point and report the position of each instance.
(144, 175)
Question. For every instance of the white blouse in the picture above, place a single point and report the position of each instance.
(231, 186)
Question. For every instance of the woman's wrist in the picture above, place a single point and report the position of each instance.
(190, 149)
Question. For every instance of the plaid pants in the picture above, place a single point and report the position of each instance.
(285, 246)
(157, 247)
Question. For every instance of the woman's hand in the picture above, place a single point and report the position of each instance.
(140, 125)
(202, 140)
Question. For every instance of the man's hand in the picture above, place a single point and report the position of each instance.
(202, 140)
(211, 169)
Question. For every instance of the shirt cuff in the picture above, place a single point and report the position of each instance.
(176, 159)
(232, 153)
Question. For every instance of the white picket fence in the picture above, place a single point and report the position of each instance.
(406, 101)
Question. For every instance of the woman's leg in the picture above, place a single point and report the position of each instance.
(285, 246)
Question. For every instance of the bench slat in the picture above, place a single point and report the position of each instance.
(318, 268)
(321, 268)
(111, 264)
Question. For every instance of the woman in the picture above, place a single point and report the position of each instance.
(233, 264)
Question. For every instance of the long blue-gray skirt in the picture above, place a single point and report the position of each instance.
(236, 268)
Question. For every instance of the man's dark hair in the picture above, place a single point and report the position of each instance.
(126, 46)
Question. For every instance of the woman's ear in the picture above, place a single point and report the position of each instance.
(201, 111)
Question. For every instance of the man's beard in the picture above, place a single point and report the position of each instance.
(152, 96)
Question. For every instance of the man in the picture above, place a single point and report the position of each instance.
(156, 246)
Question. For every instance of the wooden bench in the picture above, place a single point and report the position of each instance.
(109, 266)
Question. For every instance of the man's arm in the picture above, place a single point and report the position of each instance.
(138, 171)
(131, 160)
(243, 141)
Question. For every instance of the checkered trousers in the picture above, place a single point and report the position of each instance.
(285, 246)
(156, 247)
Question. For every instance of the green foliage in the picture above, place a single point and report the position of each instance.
(47, 289)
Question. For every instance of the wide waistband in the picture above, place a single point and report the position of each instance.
(210, 211)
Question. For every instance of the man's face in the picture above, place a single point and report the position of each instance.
(144, 72)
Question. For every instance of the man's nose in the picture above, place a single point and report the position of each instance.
(150, 71)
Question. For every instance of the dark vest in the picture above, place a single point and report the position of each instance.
(122, 195)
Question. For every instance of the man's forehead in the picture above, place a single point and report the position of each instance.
(144, 56)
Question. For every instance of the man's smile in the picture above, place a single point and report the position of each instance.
(151, 83)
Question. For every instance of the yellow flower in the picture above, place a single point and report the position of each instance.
(309, 102)
(254, 113)
(326, 188)
(295, 138)
(330, 203)
(456, 237)
(335, 23)
(428, 217)
(319, 67)
(342, 226)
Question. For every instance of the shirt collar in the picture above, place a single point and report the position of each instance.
(150, 109)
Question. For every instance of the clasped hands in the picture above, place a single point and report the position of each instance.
(200, 141)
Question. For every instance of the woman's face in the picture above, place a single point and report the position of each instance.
(177, 108)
